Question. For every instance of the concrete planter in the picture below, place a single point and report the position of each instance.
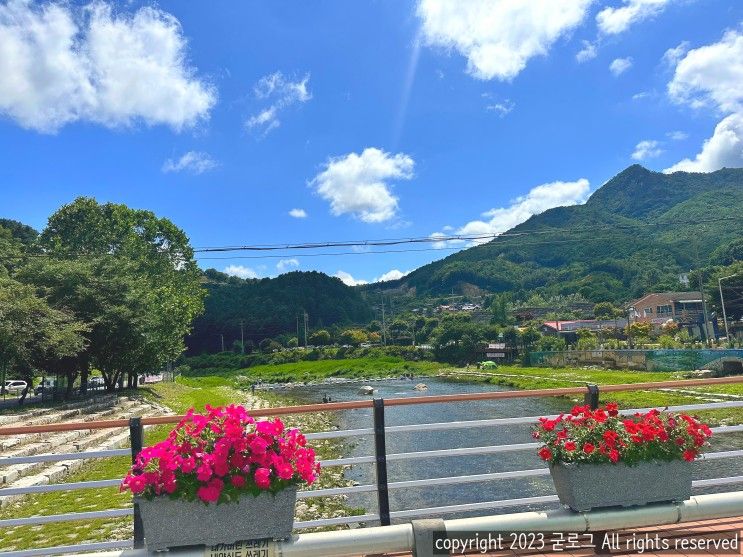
(172, 523)
(583, 487)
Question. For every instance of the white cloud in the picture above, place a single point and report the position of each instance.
(393, 274)
(501, 108)
(646, 149)
(723, 149)
(672, 56)
(267, 120)
(710, 77)
(641, 95)
(359, 185)
(349, 280)
(285, 265)
(498, 37)
(538, 200)
(281, 93)
(195, 162)
(588, 52)
(677, 135)
(298, 213)
(241, 271)
(61, 64)
(620, 65)
(612, 21)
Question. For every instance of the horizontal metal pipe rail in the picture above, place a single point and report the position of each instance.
(400, 538)
(352, 405)
(326, 492)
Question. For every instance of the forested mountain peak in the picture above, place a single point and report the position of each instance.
(637, 232)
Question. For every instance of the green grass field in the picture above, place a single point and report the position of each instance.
(358, 368)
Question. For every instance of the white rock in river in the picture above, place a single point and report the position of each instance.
(421, 387)
(366, 390)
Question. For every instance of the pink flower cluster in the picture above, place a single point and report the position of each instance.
(216, 455)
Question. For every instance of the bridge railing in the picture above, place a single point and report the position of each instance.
(378, 430)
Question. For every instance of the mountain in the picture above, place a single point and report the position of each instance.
(638, 232)
(272, 306)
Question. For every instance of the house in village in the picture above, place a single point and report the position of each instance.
(569, 329)
(686, 309)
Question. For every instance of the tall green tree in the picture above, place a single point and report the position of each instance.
(33, 334)
(149, 260)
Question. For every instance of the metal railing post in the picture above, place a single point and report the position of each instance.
(592, 396)
(380, 452)
(136, 437)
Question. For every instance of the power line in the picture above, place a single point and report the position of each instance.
(445, 239)
(513, 236)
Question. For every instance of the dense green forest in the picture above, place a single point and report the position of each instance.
(637, 233)
(272, 307)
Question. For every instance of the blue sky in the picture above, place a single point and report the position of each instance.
(364, 120)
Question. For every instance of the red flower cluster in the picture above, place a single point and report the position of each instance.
(601, 435)
(216, 455)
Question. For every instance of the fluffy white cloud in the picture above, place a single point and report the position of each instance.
(538, 200)
(617, 20)
(61, 64)
(349, 280)
(195, 162)
(285, 265)
(241, 271)
(588, 52)
(620, 65)
(281, 93)
(710, 77)
(646, 149)
(359, 185)
(298, 213)
(498, 37)
(393, 274)
(723, 149)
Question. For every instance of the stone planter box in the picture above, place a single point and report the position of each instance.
(583, 487)
(172, 523)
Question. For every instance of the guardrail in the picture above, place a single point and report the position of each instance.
(378, 431)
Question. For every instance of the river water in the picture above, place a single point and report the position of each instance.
(419, 469)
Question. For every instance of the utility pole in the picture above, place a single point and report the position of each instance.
(305, 328)
(384, 326)
(298, 338)
(414, 333)
(722, 303)
(222, 337)
(629, 326)
(242, 336)
(704, 311)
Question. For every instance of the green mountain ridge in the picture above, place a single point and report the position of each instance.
(636, 233)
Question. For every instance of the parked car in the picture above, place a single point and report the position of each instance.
(13, 387)
(46, 385)
(96, 383)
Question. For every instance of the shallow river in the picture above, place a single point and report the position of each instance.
(417, 469)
